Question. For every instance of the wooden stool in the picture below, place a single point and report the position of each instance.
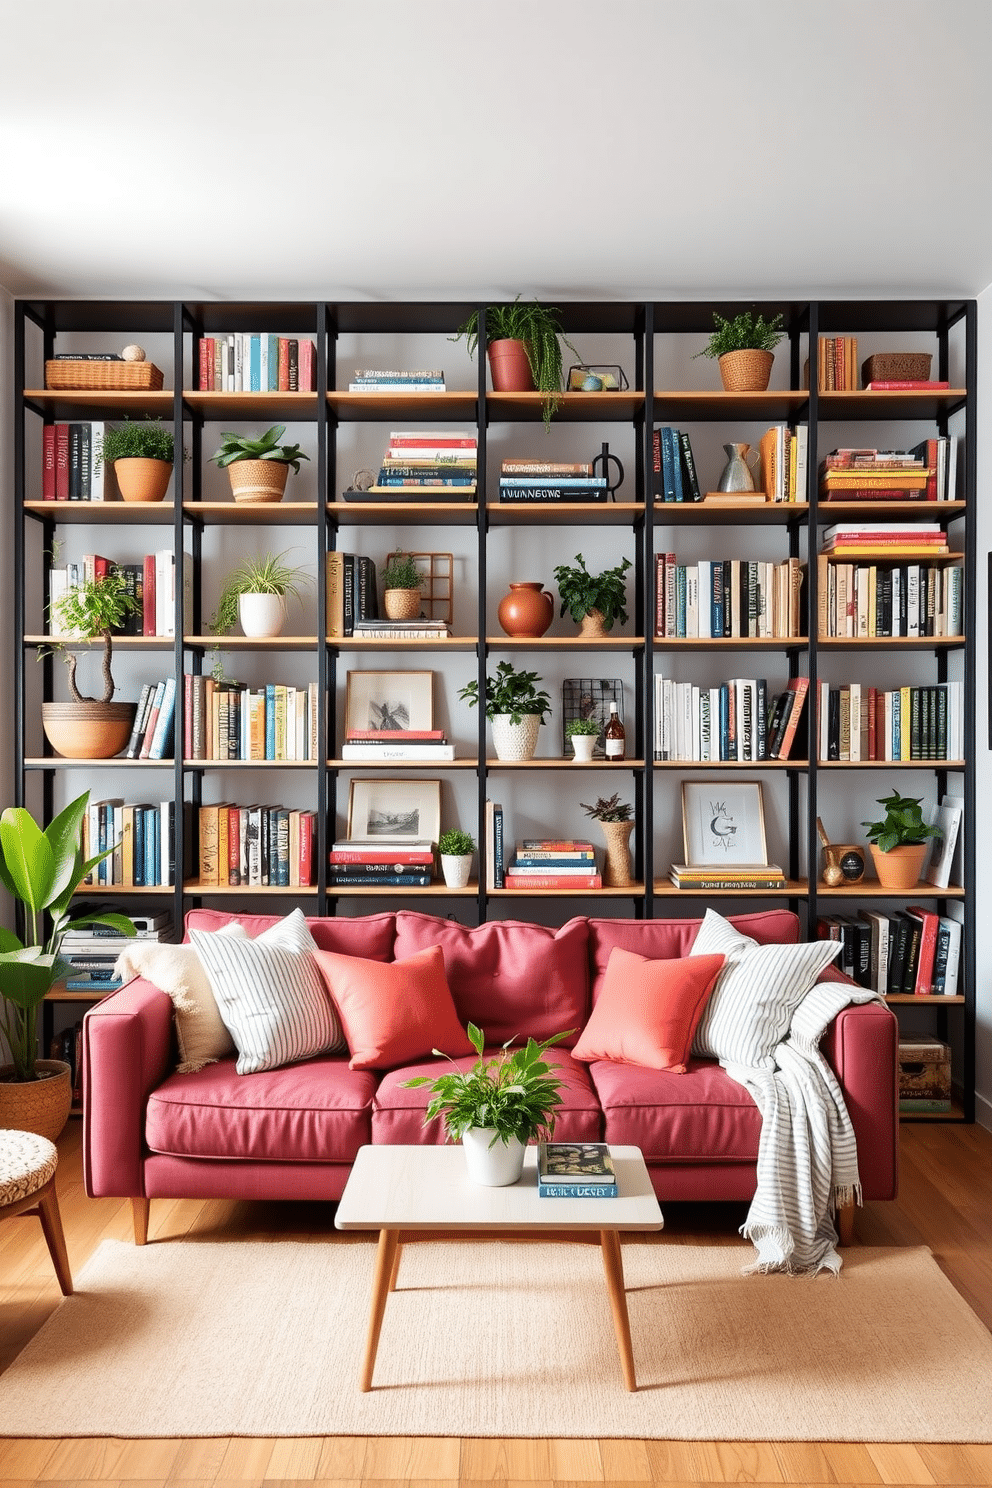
(27, 1186)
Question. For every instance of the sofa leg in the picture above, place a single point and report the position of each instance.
(139, 1215)
(845, 1224)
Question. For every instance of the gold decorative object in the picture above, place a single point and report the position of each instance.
(843, 862)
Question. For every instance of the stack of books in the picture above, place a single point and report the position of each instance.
(420, 629)
(257, 363)
(92, 953)
(913, 952)
(553, 863)
(384, 746)
(673, 466)
(413, 380)
(575, 1170)
(744, 876)
(924, 1075)
(256, 846)
(878, 475)
(425, 465)
(550, 480)
(885, 539)
(370, 864)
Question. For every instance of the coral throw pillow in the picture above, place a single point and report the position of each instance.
(396, 1012)
(647, 1011)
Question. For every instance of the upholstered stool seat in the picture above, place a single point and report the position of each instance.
(27, 1186)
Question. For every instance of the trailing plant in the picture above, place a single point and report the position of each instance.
(609, 809)
(582, 592)
(902, 824)
(456, 844)
(42, 870)
(746, 332)
(265, 447)
(401, 572)
(135, 440)
(539, 328)
(513, 1094)
(267, 575)
(95, 608)
(509, 692)
(588, 726)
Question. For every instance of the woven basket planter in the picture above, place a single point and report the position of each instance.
(39, 1106)
(746, 371)
(401, 604)
(258, 480)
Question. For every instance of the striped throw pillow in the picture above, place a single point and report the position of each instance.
(756, 994)
(270, 994)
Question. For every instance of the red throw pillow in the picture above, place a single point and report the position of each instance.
(647, 1011)
(394, 1012)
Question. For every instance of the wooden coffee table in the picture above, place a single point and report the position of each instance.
(425, 1193)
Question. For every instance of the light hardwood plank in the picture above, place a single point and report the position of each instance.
(412, 1457)
(294, 1458)
(625, 1461)
(576, 1461)
(489, 1459)
(899, 1464)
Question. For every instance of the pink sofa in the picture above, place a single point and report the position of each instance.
(292, 1133)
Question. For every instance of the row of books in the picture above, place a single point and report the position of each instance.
(926, 472)
(407, 380)
(743, 876)
(256, 846)
(733, 597)
(426, 464)
(363, 864)
(249, 362)
(232, 721)
(859, 723)
(910, 952)
(673, 466)
(72, 467)
(553, 863)
(151, 583)
(352, 593)
(153, 731)
(900, 539)
(143, 836)
(784, 461)
(837, 364)
(731, 721)
(867, 600)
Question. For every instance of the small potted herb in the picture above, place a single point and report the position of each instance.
(456, 849)
(255, 594)
(402, 582)
(515, 706)
(899, 841)
(90, 728)
(258, 468)
(583, 733)
(743, 347)
(596, 600)
(142, 455)
(524, 350)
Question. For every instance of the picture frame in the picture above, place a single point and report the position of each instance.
(723, 822)
(589, 697)
(380, 702)
(394, 810)
(947, 816)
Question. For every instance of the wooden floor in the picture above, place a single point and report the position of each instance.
(945, 1202)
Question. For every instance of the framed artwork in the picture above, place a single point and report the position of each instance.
(389, 702)
(722, 822)
(947, 816)
(589, 697)
(394, 810)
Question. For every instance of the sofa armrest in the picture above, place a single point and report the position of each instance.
(862, 1048)
(127, 1052)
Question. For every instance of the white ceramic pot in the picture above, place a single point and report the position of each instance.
(456, 868)
(496, 1166)
(261, 614)
(583, 746)
(515, 741)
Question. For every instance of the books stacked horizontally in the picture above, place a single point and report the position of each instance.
(744, 876)
(143, 837)
(425, 465)
(371, 864)
(93, 952)
(550, 480)
(553, 863)
(730, 721)
(888, 475)
(913, 952)
(575, 1170)
(673, 466)
(729, 597)
(885, 539)
(412, 380)
(858, 722)
(383, 746)
(256, 846)
(246, 362)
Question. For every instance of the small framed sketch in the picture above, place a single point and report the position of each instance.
(947, 816)
(394, 810)
(389, 702)
(589, 697)
(723, 822)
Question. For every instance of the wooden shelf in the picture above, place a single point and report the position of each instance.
(557, 762)
(633, 891)
(570, 513)
(121, 643)
(382, 407)
(565, 643)
(585, 408)
(251, 513)
(253, 407)
(891, 765)
(403, 513)
(249, 643)
(906, 403)
(102, 513)
(725, 513)
(730, 643)
(791, 889)
(103, 403)
(116, 762)
(891, 643)
(872, 889)
(828, 511)
(908, 1000)
(773, 405)
(769, 764)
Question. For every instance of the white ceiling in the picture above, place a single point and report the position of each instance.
(447, 149)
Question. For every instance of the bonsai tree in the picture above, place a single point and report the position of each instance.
(510, 693)
(267, 575)
(94, 608)
(41, 870)
(583, 593)
(237, 447)
(401, 572)
(135, 440)
(609, 809)
(746, 332)
(539, 328)
(456, 844)
(901, 826)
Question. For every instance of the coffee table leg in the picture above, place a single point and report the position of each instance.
(613, 1266)
(385, 1256)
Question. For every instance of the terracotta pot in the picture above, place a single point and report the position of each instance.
(401, 604)
(262, 614)
(592, 625)
(527, 610)
(516, 741)
(39, 1106)
(509, 367)
(258, 480)
(87, 730)
(746, 371)
(142, 479)
(617, 871)
(496, 1166)
(900, 868)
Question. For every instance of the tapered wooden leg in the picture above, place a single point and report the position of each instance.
(384, 1261)
(609, 1242)
(139, 1215)
(845, 1224)
(396, 1267)
(51, 1223)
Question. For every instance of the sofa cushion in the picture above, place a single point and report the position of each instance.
(398, 1114)
(364, 935)
(663, 939)
(510, 978)
(701, 1116)
(316, 1111)
(393, 1014)
(647, 1010)
(177, 970)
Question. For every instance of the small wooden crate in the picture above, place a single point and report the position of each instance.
(924, 1072)
(103, 377)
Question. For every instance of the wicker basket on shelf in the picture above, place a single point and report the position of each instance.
(103, 376)
(896, 366)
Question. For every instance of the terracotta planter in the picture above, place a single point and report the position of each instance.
(509, 367)
(262, 614)
(516, 741)
(258, 480)
(39, 1106)
(401, 604)
(87, 730)
(746, 371)
(617, 871)
(142, 479)
(527, 610)
(496, 1166)
(899, 869)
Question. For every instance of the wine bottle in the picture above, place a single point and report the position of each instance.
(616, 738)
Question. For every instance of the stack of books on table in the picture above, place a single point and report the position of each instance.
(408, 380)
(743, 876)
(878, 475)
(370, 864)
(425, 465)
(885, 539)
(550, 480)
(384, 746)
(575, 1170)
(92, 953)
(553, 863)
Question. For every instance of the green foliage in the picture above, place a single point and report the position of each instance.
(41, 869)
(515, 1095)
(582, 592)
(137, 441)
(902, 824)
(97, 607)
(610, 809)
(509, 692)
(588, 726)
(265, 447)
(268, 575)
(539, 328)
(400, 572)
(456, 844)
(746, 332)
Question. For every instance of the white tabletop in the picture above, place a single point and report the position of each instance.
(428, 1188)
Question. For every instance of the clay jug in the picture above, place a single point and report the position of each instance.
(526, 611)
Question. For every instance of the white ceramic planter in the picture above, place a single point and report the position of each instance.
(261, 614)
(516, 741)
(494, 1167)
(456, 868)
(583, 746)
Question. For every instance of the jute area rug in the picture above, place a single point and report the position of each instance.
(484, 1339)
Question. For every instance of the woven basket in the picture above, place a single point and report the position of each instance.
(87, 376)
(39, 1106)
(746, 371)
(897, 366)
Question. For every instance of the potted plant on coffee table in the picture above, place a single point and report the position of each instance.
(255, 594)
(594, 600)
(402, 583)
(743, 347)
(90, 728)
(899, 841)
(515, 706)
(258, 468)
(497, 1106)
(142, 455)
(456, 849)
(524, 350)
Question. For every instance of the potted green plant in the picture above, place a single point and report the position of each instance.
(597, 600)
(142, 455)
(497, 1106)
(41, 870)
(616, 818)
(583, 733)
(899, 841)
(255, 594)
(402, 582)
(515, 706)
(743, 347)
(456, 849)
(523, 343)
(90, 728)
(258, 468)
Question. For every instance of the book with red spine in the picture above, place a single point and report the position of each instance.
(308, 820)
(552, 881)
(409, 736)
(62, 462)
(923, 982)
(148, 596)
(206, 364)
(48, 463)
(307, 367)
(187, 715)
(432, 440)
(902, 385)
(368, 852)
(798, 686)
(283, 365)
